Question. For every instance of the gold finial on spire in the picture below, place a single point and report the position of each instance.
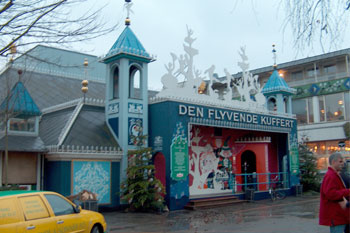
(128, 5)
(274, 56)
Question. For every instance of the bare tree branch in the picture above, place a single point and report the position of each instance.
(47, 22)
(322, 20)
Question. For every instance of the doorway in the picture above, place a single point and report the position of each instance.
(248, 166)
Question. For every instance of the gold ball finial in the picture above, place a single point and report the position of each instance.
(86, 62)
(127, 21)
(85, 83)
(84, 89)
(13, 49)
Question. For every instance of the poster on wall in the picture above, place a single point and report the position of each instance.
(93, 176)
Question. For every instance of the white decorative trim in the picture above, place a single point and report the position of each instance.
(236, 125)
(129, 51)
(70, 122)
(82, 152)
(254, 140)
(71, 156)
(220, 104)
(72, 103)
(40, 70)
(58, 107)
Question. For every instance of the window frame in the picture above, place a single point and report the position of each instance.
(61, 212)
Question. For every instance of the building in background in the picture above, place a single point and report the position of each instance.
(322, 101)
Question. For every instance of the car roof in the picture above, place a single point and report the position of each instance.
(17, 192)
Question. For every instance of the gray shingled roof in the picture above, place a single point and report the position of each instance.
(48, 90)
(23, 143)
(90, 129)
(52, 124)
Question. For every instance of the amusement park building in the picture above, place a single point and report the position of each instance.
(202, 146)
(322, 101)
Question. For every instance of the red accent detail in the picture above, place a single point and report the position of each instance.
(160, 168)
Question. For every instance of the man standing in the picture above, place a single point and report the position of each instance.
(332, 192)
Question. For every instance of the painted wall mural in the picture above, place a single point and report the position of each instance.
(212, 162)
(94, 176)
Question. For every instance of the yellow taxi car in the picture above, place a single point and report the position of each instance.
(45, 212)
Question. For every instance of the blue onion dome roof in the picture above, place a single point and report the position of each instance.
(19, 102)
(127, 43)
(276, 84)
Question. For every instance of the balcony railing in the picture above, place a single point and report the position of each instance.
(313, 79)
(259, 181)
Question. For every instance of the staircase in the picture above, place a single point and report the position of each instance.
(212, 202)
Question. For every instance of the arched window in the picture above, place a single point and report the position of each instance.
(285, 101)
(271, 104)
(116, 83)
(135, 83)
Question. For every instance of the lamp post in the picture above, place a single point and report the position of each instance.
(13, 51)
(85, 82)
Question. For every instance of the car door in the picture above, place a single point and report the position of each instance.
(36, 215)
(66, 218)
(10, 217)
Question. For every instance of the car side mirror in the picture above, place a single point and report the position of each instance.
(77, 207)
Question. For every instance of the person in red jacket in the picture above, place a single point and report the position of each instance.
(332, 192)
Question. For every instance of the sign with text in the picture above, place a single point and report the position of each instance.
(179, 159)
(234, 116)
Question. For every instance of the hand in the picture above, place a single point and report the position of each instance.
(343, 203)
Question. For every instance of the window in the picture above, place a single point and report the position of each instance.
(116, 83)
(313, 72)
(33, 207)
(310, 110)
(299, 109)
(271, 104)
(135, 90)
(347, 105)
(285, 101)
(322, 108)
(330, 69)
(59, 205)
(297, 75)
(334, 107)
(22, 124)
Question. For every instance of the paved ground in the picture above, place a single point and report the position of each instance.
(294, 214)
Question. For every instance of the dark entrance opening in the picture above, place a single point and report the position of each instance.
(248, 166)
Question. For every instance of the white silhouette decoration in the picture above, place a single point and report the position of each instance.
(243, 92)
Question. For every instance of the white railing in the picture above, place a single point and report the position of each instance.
(84, 149)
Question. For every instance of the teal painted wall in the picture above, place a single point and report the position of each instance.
(58, 177)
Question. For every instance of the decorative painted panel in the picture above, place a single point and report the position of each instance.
(113, 108)
(135, 108)
(94, 176)
(135, 127)
(323, 88)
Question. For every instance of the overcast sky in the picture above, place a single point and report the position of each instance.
(221, 28)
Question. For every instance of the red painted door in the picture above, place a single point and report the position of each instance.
(159, 164)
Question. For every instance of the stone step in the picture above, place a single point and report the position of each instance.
(212, 202)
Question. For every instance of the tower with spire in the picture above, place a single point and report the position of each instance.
(277, 91)
(126, 89)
